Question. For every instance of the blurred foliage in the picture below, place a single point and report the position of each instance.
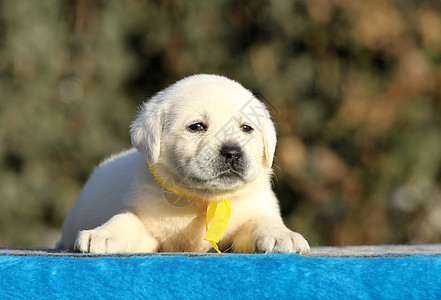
(354, 85)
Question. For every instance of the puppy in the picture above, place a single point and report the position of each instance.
(205, 138)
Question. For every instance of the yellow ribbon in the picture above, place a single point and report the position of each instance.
(218, 213)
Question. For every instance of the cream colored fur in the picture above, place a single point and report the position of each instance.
(123, 209)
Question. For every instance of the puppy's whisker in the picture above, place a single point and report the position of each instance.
(276, 167)
(229, 248)
(206, 193)
(275, 177)
(179, 166)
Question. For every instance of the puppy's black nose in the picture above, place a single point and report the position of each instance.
(231, 153)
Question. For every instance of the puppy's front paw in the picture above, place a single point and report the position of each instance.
(99, 241)
(281, 241)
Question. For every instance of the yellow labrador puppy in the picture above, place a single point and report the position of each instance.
(205, 138)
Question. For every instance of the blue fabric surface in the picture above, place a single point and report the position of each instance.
(220, 276)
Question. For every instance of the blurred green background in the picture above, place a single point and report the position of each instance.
(354, 86)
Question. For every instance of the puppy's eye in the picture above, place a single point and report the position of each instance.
(198, 127)
(246, 128)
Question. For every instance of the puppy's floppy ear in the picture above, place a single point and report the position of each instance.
(269, 139)
(146, 130)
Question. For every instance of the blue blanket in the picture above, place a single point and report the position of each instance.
(219, 276)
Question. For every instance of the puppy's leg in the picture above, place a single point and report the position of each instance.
(121, 234)
(268, 234)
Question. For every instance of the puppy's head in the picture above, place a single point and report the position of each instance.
(206, 133)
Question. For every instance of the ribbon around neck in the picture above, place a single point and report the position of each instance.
(218, 213)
